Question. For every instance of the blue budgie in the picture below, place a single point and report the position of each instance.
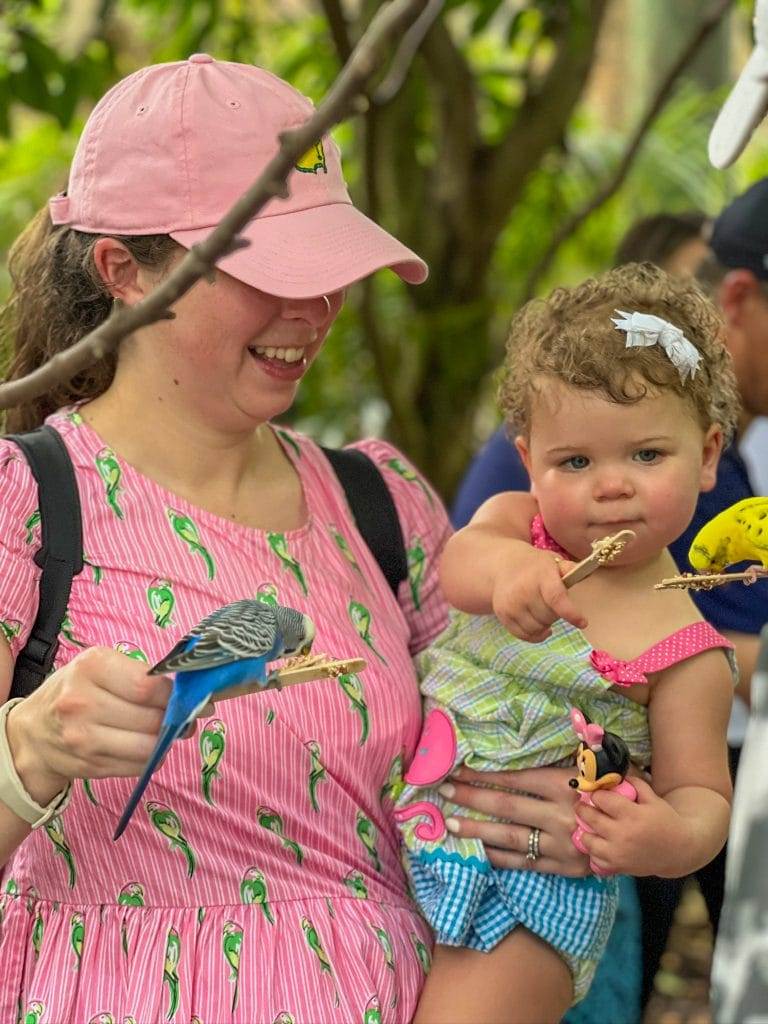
(230, 647)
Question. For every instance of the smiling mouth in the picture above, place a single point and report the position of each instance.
(285, 355)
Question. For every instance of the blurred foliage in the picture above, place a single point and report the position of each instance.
(58, 56)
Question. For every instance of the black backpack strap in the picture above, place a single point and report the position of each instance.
(374, 510)
(60, 556)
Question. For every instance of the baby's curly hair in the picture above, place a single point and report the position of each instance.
(570, 336)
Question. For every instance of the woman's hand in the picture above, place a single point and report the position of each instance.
(96, 717)
(529, 595)
(506, 840)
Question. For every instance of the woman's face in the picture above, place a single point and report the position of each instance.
(234, 355)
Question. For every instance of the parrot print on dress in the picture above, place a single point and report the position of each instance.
(161, 601)
(67, 630)
(361, 619)
(10, 628)
(372, 1014)
(366, 833)
(422, 952)
(231, 646)
(187, 531)
(410, 476)
(284, 1018)
(167, 822)
(103, 1018)
(88, 789)
(111, 475)
(317, 772)
(355, 882)
(96, 570)
(268, 593)
(253, 891)
(37, 934)
(31, 524)
(212, 746)
(285, 436)
(385, 942)
(314, 943)
(352, 686)
(35, 1011)
(231, 941)
(394, 783)
(272, 822)
(417, 563)
(279, 546)
(343, 545)
(55, 832)
(131, 651)
(171, 971)
(131, 895)
(77, 937)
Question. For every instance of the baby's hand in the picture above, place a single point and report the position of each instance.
(528, 595)
(633, 838)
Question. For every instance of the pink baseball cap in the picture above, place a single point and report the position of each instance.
(170, 148)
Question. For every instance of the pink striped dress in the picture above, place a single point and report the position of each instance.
(260, 879)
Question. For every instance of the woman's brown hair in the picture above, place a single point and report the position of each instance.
(57, 297)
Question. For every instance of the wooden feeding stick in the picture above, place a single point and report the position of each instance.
(299, 670)
(709, 580)
(603, 551)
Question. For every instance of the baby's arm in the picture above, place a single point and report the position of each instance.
(490, 567)
(682, 822)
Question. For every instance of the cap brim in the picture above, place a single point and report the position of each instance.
(743, 110)
(305, 253)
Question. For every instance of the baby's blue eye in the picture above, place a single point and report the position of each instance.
(576, 462)
(647, 455)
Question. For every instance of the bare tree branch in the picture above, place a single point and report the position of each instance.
(409, 46)
(702, 32)
(201, 259)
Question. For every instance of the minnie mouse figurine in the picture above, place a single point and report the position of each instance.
(602, 761)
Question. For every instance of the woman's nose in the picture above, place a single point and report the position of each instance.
(316, 311)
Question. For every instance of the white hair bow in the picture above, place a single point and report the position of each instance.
(644, 329)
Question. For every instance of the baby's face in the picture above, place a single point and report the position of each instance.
(598, 467)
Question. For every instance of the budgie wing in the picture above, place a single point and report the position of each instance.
(244, 629)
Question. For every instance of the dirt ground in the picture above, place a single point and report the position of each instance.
(682, 984)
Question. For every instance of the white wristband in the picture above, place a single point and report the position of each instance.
(12, 792)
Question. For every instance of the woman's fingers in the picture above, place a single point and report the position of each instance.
(576, 868)
(547, 783)
(500, 803)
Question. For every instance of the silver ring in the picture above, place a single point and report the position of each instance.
(534, 851)
(327, 304)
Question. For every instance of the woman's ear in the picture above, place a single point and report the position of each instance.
(118, 270)
(711, 449)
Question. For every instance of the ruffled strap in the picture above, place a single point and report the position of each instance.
(540, 538)
(678, 646)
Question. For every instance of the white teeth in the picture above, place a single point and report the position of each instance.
(288, 355)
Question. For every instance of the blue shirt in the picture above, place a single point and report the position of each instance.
(497, 467)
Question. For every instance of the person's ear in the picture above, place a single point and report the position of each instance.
(736, 291)
(118, 270)
(711, 451)
(521, 443)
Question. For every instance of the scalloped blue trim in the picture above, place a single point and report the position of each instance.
(429, 856)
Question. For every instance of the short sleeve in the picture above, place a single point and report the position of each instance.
(19, 542)
(426, 528)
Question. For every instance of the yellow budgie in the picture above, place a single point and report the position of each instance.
(739, 534)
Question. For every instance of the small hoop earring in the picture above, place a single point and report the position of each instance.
(327, 304)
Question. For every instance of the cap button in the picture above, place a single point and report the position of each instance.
(201, 58)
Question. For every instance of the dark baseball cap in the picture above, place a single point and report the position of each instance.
(739, 237)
